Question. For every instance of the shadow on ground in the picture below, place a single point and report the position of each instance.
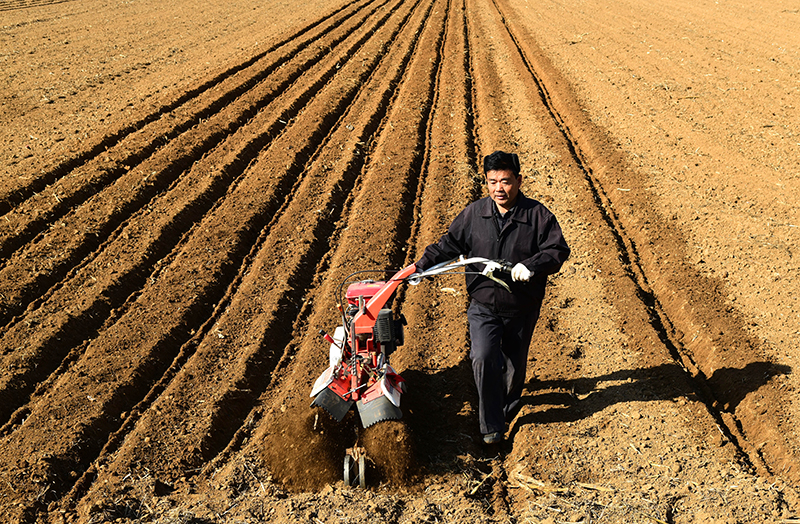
(571, 400)
(440, 404)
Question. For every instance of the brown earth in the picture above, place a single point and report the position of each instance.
(185, 186)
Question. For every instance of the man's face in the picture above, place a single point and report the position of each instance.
(503, 187)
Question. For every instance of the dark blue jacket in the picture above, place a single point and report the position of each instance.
(531, 235)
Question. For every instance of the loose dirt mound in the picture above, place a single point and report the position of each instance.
(185, 187)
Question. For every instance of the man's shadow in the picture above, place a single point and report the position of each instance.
(441, 404)
(571, 400)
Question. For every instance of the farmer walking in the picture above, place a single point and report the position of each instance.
(510, 226)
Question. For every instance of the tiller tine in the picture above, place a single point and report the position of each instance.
(335, 405)
(377, 410)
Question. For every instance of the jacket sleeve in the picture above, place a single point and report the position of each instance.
(553, 249)
(452, 244)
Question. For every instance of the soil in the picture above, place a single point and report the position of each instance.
(185, 186)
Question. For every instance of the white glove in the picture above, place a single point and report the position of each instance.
(520, 273)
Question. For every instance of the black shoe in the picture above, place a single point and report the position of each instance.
(493, 438)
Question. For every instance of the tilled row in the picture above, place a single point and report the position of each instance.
(10, 5)
(374, 236)
(147, 132)
(37, 343)
(692, 326)
(434, 358)
(211, 395)
(66, 227)
(118, 367)
(200, 327)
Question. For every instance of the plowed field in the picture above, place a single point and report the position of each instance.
(186, 185)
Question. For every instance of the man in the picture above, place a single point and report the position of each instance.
(510, 226)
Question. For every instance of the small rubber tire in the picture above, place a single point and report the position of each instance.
(362, 472)
(348, 466)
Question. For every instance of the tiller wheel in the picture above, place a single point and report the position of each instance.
(355, 467)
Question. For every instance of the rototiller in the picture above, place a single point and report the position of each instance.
(359, 372)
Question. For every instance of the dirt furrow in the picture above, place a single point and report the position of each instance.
(642, 301)
(25, 277)
(694, 324)
(158, 365)
(240, 350)
(134, 141)
(9, 5)
(45, 205)
(557, 363)
(181, 292)
(117, 272)
(560, 356)
(435, 356)
(374, 237)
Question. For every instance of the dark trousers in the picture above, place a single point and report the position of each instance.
(499, 356)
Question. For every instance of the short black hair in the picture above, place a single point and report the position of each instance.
(501, 161)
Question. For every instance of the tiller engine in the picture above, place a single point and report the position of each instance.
(359, 371)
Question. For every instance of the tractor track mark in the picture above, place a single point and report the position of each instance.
(668, 327)
(154, 368)
(81, 231)
(184, 105)
(240, 385)
(54, 343)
